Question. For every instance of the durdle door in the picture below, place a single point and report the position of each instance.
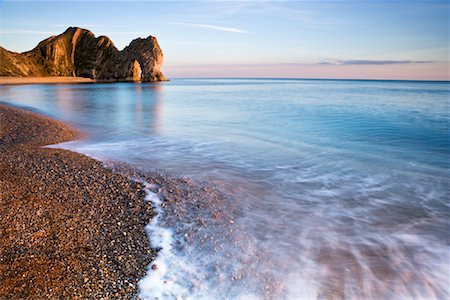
(78, 53)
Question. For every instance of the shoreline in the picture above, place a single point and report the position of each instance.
(71, 228)
(4, 80)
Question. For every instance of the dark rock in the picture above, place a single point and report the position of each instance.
(77, 52)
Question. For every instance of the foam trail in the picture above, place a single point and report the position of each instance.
(159, 282)
(178, 274)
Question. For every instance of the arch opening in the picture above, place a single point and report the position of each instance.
(136, 71)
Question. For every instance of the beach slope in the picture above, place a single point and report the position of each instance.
(70, 228)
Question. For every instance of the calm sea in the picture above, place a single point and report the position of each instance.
(338, 189)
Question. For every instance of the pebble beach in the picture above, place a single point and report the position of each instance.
(70, 227)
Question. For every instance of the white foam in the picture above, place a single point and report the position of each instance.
(175, 275)
(160, 281)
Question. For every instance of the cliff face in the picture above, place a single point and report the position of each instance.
(77, 52)
(143, 55)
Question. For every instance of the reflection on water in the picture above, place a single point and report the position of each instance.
(109, 111)
(334, 189)
(148, 118)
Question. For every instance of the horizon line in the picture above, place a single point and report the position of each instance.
(317, 78)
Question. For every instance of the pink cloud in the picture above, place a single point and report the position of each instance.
(413, 71)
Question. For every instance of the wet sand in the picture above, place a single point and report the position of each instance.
(70, 227)
(50, 79)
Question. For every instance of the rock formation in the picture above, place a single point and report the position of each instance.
(77, 52)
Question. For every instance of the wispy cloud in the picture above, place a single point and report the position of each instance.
(91, 25)
(78, 25)
(373, 62)
(381, 62)
(310, 64)
(213, 27)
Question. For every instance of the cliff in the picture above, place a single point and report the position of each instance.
(77, 52)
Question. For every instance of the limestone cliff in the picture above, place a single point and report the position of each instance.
(77, 52)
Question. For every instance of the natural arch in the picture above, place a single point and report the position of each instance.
(136, 72)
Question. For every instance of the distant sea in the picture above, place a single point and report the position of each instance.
(336, 188)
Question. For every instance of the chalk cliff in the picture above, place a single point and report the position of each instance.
(77, 52)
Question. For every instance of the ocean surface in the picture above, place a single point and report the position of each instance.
(335, 188)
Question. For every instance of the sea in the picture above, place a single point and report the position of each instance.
(336, 189)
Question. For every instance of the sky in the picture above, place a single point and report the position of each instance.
(286, 39)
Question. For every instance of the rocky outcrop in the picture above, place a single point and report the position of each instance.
(77, 52)
(145, 56)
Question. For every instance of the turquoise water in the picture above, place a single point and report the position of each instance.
(338, 188)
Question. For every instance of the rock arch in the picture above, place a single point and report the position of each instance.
(135, 71)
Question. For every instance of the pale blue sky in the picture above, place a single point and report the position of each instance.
(359, 39)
